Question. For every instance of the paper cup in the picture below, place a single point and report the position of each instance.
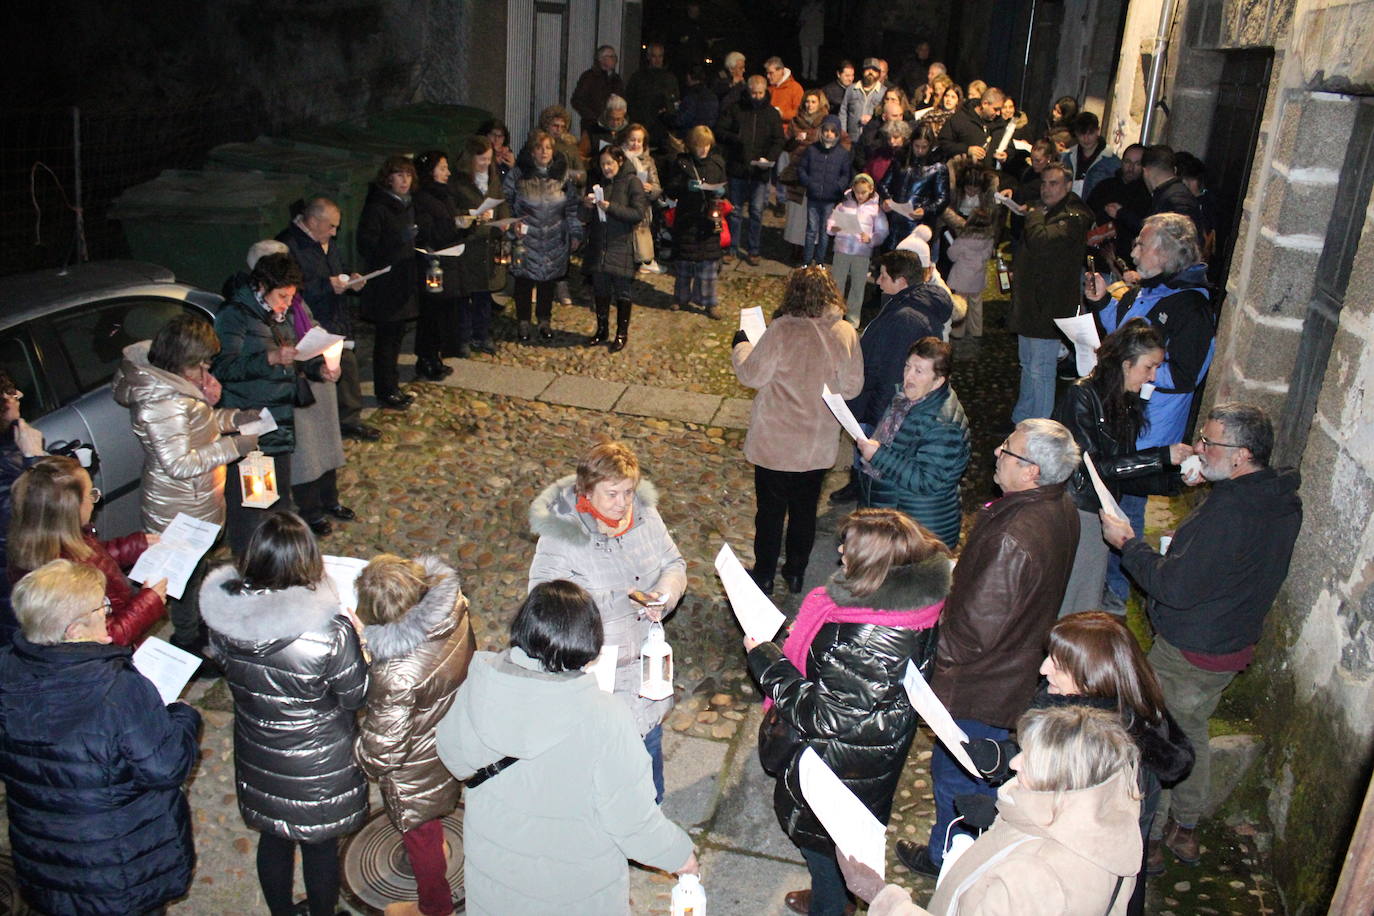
(1164, 543)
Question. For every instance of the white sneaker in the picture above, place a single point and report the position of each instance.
(651, 267)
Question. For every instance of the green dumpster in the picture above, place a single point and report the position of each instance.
(350, 138)
(201, 224)
(428, 125)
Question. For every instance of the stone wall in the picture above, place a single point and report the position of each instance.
(1311, 690)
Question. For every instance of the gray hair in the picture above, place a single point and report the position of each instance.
(734, 57)
(604, 48)
(318, 208)
(755, 82)
(1069, 748)
(1051, 446)
(1246, 425)
(53, 597)
(898, 128)
(772, 62)
(1176, 237)
(615, 103)
(259, 250)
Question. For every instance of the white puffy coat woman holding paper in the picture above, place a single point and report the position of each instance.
(836, 682)
(792, 436)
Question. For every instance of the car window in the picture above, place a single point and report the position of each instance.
(17, 359)
(95, 335)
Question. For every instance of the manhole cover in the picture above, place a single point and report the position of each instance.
(376, 871)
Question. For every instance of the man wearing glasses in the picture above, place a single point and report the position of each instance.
(1209, 594)
(1007, 588)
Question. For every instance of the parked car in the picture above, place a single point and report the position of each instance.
(62, 335)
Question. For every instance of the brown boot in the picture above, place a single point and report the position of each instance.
(1154, 858)
(1182, 842)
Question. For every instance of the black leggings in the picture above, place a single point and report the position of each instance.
(543, 307)
(277, 872)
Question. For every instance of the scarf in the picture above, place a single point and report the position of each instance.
(815, 614)
(888, 426)
(617, 527)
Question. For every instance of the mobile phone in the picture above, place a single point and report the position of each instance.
(646, 599)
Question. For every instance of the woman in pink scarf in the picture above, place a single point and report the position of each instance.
(837, 680)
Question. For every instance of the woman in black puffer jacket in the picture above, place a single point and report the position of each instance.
(696, 231)
(294, 665)
(439, 224)
(610, 252)
(837, 680)
(545, 199)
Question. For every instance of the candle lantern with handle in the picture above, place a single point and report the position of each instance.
(258, 480)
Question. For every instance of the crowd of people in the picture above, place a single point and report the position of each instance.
(1084, 779)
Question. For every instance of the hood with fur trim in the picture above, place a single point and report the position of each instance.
(554, 511)
(906, 587)
(431, 618)
(258, 622)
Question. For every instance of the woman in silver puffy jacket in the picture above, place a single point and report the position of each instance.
(293, 662)
(601, 529)
(171, 396)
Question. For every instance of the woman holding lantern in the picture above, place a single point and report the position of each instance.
(600, 528)
(836, 683)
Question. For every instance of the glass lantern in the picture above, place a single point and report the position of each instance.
(434, 277)
(258, 480)
(656, 666)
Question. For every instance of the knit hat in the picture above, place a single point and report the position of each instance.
(918, 242)
(833, 123)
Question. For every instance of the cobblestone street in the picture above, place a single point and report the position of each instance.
(455, 474)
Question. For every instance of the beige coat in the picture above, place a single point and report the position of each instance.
(184, 449)
(418, 664)
(1047, 854)
(790, 428)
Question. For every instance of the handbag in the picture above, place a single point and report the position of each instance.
(779, 742)
(302, 396)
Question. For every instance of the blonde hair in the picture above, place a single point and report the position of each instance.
(1067, 748)
(699, 135)
(53, 597)
(609, 460)
(876, 541)
(45, 519)
(862, 178)
(389, 586)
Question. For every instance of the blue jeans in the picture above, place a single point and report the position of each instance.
(653, 743)
(817, 239)
(1134, 507)
(1038, 362)
(950, 780)
(755, 194)
(828, 894)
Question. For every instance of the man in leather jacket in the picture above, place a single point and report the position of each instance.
(1006, 593)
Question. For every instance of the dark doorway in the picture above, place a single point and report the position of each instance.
(1241, 94)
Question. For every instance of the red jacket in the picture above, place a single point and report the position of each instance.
(132, 614)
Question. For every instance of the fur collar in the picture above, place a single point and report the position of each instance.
(554, 511)
(431, 616)
(915, 586)
(254, 619)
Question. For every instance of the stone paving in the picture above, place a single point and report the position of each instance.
(455, 474)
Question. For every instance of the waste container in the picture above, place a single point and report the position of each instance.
(428, 125)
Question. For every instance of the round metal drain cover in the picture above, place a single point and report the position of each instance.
(376, 871)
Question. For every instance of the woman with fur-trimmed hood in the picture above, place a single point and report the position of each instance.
(294, 665)
(417, 629)
(600, 528)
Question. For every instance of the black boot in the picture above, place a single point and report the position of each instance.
(622, 324)
(603, 322)
(849, 492)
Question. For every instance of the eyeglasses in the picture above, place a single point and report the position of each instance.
(1003, 450)
(95, 495)
(1206, 443)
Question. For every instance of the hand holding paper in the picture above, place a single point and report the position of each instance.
(343, 572)
(1081, 330)
(168, 667)
(934, 714)
(842, 413)
(315, 342)
(751, 323)
(758, 616)
(175, 554)
(1104, 496)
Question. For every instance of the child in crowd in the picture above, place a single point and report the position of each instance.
(971, 220)
(416, 626)
(853, 249)
(824, 172)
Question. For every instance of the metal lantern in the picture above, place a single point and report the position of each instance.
(502, 255)
(434, 277)
(656, 666)
(258, 480)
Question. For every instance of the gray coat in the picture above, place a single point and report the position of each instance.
(548, 203)
(551, 833)
(290, 657)
(644, 558)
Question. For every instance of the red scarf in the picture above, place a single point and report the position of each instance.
(819, 609)
(617, 526)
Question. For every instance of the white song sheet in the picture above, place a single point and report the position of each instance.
(1104, 495)
(343, 572)
(842, 413)
(1081, 330)
(176, 553)
(851, 825)
(751, 323)
(491, 203)
(901, 209)
(933, 712)
(315, 342)
(261, 426)
(168, 667)
(353, 284)
(846, 221)
(603, 668)
(758, 617)
(452, 251)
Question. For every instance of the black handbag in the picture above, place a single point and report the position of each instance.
(779, 742)
(302, 396)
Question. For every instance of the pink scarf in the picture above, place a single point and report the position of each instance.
(819, 609)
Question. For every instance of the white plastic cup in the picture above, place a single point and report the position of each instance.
(1164, 543)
